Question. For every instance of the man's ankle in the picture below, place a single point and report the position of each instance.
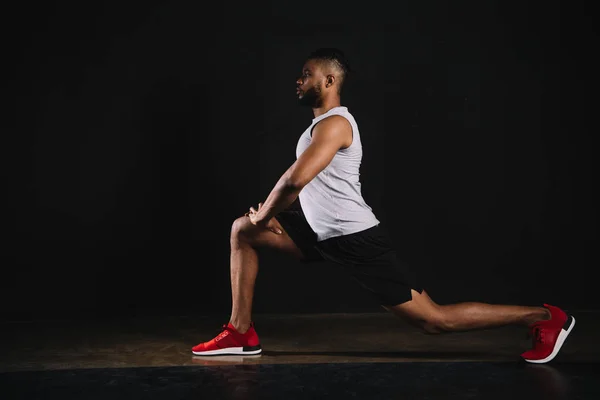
(241, 327)
(543, 315)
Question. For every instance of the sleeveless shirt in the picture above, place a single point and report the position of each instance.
(332, 202)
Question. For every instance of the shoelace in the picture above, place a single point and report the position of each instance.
(224, 332)
(537, 333)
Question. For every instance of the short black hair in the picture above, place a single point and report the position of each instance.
(336, 57)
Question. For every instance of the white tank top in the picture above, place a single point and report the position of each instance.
(332, 202)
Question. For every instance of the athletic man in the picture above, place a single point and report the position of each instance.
(334, 223)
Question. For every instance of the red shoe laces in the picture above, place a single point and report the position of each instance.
(538, 334)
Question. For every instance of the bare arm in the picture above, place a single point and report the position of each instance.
(328, 136)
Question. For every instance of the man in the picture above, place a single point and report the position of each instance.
(334, 223)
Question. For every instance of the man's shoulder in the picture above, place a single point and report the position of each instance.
(334, 127)
(334, 120)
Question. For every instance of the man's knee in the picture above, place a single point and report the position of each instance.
(438, 323)
(429, 322)
(240, 227)
(243, 230)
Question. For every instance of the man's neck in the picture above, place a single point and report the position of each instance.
(326, 106)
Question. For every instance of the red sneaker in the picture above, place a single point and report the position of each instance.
(230, 341)
(549, 336)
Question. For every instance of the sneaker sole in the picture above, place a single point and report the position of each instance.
(237, 351)
(562, 336)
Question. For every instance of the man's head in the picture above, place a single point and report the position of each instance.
(323, 75)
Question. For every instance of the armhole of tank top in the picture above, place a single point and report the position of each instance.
(351, 129)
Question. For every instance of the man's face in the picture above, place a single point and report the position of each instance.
(309, 85)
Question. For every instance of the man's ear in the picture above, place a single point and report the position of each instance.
(330, 80)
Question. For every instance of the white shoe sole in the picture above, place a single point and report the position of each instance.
(234, 351)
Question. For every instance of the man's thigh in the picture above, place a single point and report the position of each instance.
(259, 237)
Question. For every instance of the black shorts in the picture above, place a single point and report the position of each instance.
(368, 256)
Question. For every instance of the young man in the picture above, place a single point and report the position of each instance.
(334, 223)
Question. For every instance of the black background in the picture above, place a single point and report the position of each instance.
(134, 135)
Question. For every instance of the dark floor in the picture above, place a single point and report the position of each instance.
(365, 356)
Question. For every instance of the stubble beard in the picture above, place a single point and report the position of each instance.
(311, 98)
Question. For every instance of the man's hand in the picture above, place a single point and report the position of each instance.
(271, 225)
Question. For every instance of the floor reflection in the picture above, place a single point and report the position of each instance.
(422, 380)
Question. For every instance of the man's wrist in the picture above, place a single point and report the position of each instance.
(260, 219)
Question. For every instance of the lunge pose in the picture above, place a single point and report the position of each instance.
(335, 224)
